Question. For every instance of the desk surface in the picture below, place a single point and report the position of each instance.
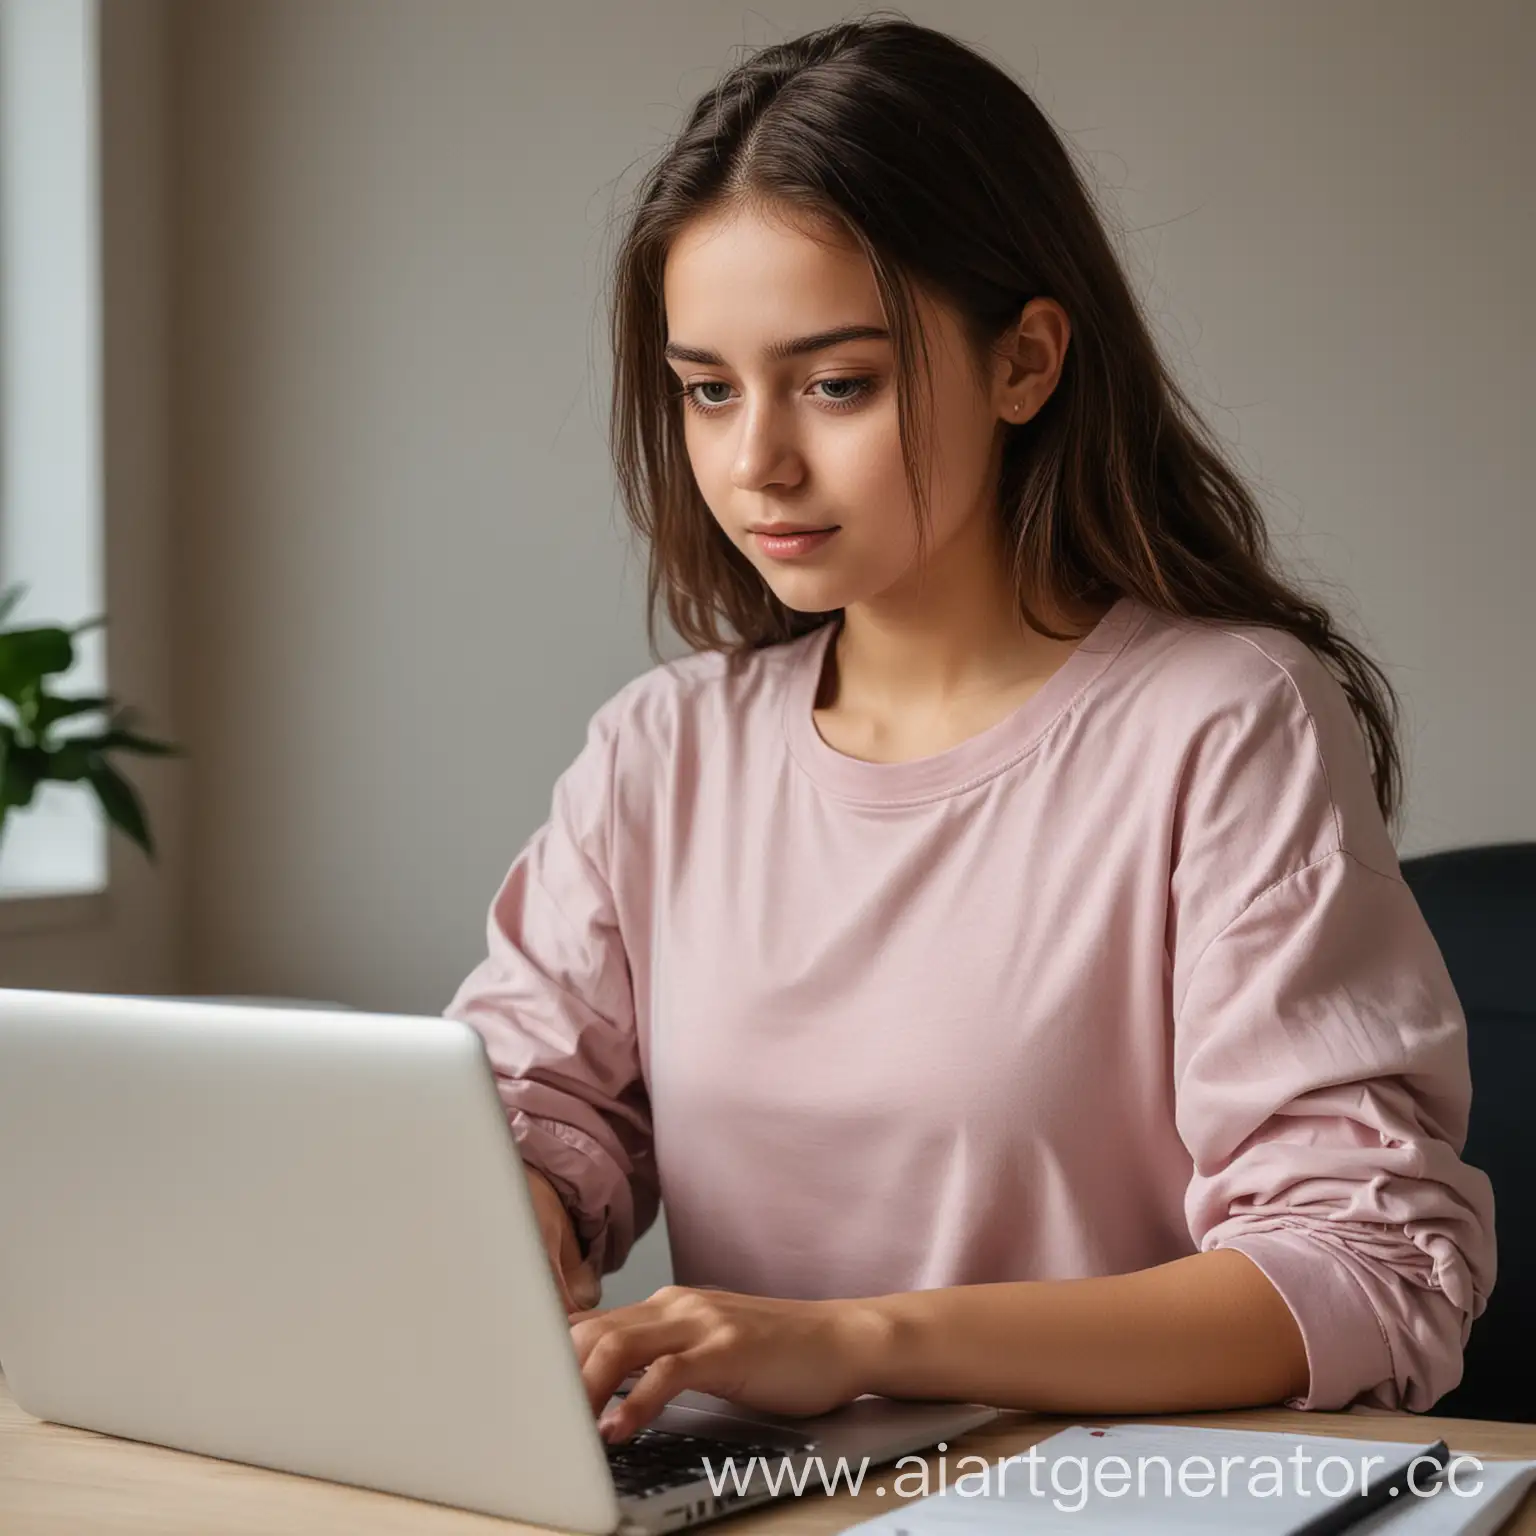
(68, 1482)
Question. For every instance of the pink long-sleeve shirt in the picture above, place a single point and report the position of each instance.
(1131, 974)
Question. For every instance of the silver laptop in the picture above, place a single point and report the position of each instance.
(303, 1240)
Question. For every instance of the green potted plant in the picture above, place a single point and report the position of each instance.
(32, 752)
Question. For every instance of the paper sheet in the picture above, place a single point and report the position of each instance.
(1170, 1480)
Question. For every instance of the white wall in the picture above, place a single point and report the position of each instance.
(401, 590)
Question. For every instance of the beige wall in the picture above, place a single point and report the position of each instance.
(130, 939)
(402, 589)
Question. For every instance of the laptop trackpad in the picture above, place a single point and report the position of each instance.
(697, 1413)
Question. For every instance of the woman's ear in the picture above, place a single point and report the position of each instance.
(1029, 359)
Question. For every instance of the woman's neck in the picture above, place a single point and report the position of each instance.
(949, 639)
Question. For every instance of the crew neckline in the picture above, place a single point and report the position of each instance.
(968, 762)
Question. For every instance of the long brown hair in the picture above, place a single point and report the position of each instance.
(948, 176)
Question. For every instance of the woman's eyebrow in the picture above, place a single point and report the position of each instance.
(778, 350)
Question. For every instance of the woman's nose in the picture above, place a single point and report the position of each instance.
(766, 453)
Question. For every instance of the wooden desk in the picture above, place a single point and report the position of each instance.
(67, 1482)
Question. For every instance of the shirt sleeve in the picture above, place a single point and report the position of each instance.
(552, 1000)
(1321, 1078)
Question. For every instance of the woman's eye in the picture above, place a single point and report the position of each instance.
(846, 391)
(691, 392)
(855, 387)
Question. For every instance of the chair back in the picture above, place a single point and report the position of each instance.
(1480, 904)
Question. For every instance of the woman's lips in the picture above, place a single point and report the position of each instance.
(791, 546)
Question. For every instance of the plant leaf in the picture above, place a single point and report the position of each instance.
(23, 771)
(125, 741)
(145, 746)
(29, 655)
(71, 762)
(9, 599)
(120, 801)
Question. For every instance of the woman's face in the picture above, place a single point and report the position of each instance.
(808, 441)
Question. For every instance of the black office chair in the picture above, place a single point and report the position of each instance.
(1480, 904)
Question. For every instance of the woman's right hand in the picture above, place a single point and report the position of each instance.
(579, 1285)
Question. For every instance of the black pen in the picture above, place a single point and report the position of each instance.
(1342, 1516)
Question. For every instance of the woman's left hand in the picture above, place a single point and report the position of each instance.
(793, 1357)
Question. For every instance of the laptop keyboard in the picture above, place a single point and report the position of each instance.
(655, 1460)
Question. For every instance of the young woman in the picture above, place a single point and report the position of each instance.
(989, 942)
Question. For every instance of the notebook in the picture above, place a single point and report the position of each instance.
(1170, 1480)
